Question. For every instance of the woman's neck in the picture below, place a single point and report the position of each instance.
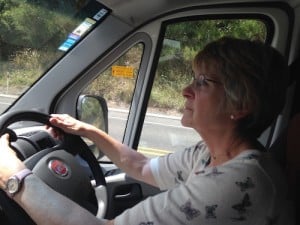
(224, 149)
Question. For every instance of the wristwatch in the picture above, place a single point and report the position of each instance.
(14, 183)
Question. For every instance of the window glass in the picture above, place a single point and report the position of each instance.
(35, 34)
(162, 131)
(116, 85)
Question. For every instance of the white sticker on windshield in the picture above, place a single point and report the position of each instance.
(84, 27)
(100, 14)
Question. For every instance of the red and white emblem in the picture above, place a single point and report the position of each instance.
(58, 167)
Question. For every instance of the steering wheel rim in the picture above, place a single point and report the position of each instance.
(67, 145)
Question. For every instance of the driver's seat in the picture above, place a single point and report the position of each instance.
(293, 162)
(286, 148)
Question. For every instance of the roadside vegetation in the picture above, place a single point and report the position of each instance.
(26, 50)
(26, 56)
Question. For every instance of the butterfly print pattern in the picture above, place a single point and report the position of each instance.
(179, 177)
(190, 213)
(247, 184)
(215, 172)
(211, 212)
(241, 208)
(146, 223)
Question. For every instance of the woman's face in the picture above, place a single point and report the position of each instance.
(204, 97)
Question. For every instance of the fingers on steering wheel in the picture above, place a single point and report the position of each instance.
(56, 133)
(11, 135)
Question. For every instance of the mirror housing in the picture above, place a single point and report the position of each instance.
(93, 110)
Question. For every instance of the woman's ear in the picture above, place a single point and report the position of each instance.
(236, 115)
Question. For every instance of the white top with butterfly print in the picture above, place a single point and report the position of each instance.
(245, 190)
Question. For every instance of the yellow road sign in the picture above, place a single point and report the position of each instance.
(122, 71)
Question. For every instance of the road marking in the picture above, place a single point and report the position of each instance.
(153, 151)
(5, 103)
(9, 96)
(161, 124)
(152, 123)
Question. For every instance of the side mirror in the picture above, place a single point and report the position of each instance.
(93, 110)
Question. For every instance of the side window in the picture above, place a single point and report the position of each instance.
(162, 131)
(116, 85)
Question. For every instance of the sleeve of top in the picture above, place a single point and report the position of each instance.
(173, 169)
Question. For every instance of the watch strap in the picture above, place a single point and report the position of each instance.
(22, 174)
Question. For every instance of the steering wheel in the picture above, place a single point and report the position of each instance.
(58, 168)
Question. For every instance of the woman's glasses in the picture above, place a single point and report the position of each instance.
(202, 80)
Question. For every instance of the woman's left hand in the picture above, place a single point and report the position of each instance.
(68, 124)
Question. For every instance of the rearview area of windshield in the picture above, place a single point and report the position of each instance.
(36, 34)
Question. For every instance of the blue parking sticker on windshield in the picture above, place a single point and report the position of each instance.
(65, 46)
(71, 40)
(77, 33)
(83, 28)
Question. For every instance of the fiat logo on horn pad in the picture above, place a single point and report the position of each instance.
(58, 167)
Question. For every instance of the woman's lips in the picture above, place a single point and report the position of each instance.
(187, 107)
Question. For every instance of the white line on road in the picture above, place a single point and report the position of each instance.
(152, 123)
(5, 103)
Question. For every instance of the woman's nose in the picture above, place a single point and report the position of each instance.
(188, 91)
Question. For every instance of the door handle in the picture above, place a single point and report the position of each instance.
(128, 192)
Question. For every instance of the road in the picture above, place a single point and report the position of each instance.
(5, 101)
(161, 134)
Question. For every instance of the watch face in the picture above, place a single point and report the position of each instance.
(13, 185)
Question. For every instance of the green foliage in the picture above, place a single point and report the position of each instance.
(113, 89)
(32, 26)
(118, 90)
(31, 31)
(29, 36)
(166, 98)
(194, 35)
(23, 69)
(183, 42)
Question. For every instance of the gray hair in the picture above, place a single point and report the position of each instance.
(254, 76)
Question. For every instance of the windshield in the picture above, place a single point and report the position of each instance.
(35, 34)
